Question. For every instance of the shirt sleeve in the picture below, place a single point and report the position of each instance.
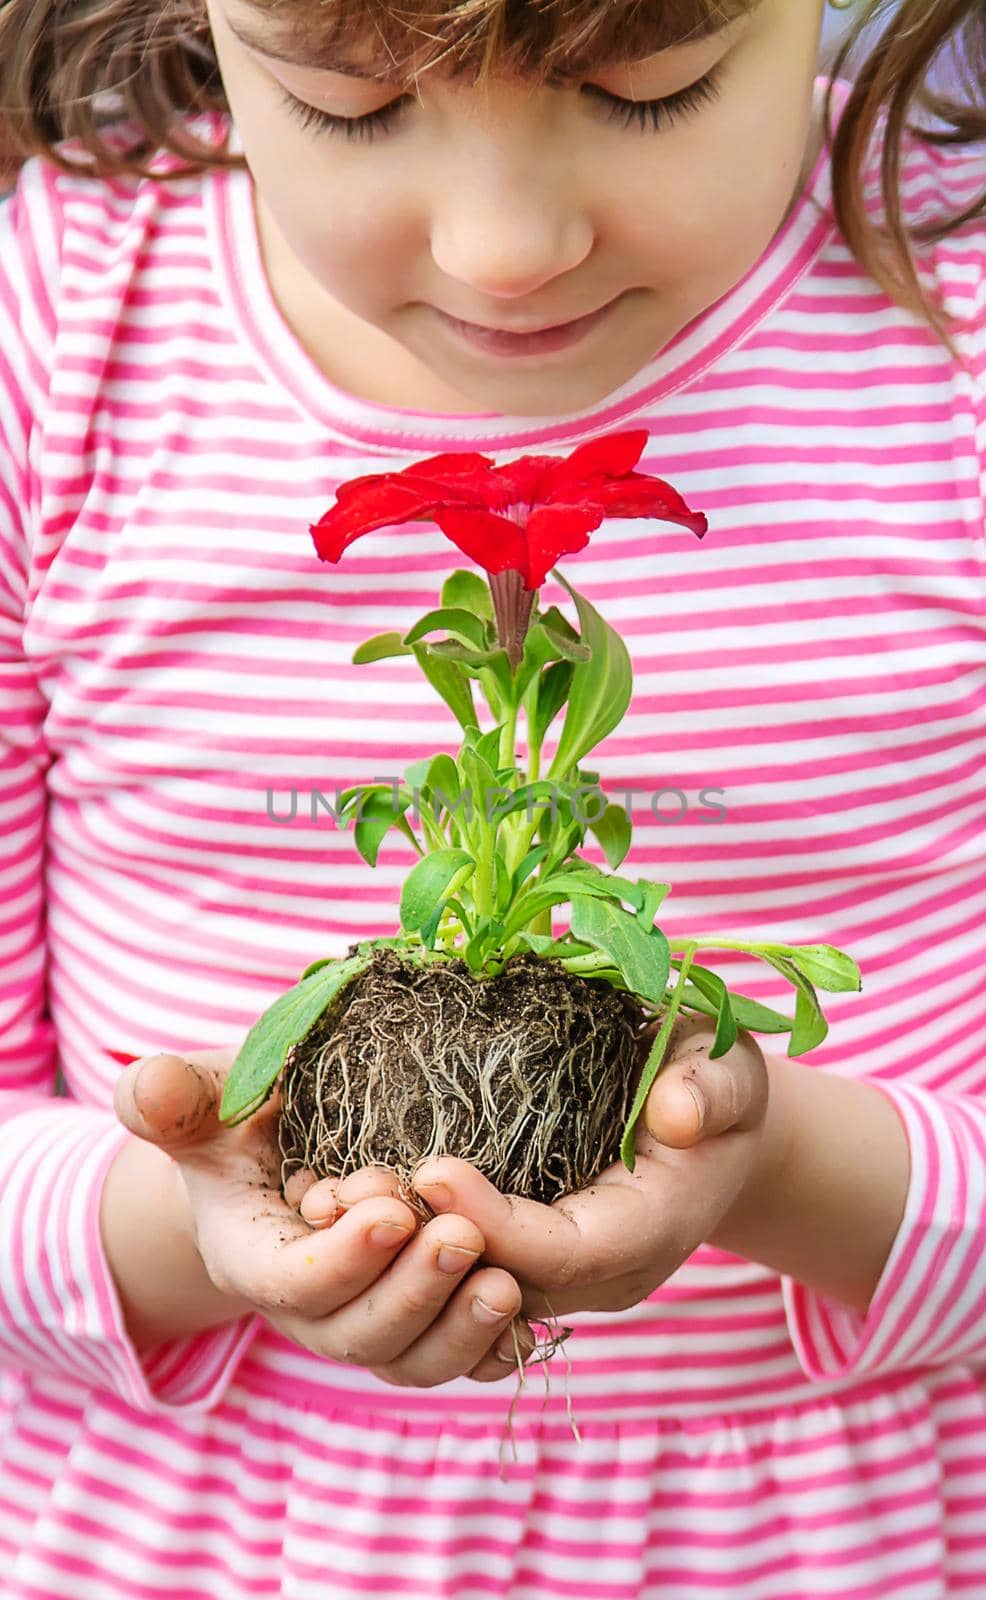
(59, 1309)
(929, 1307)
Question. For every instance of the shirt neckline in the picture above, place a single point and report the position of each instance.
(707, 339)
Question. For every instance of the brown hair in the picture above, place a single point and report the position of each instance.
(85, 69)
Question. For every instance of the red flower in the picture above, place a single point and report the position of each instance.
(520, 517)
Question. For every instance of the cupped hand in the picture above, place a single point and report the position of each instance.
(610, 1245)
(377, 1290)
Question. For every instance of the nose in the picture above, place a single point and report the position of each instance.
(506, 223)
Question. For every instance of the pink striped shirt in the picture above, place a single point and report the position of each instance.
(174, 662)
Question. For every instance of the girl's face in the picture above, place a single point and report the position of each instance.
(517, 207)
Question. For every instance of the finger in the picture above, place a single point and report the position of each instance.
(298, 1186)
(367, 1183)
(695, 1098)
(511, 1352)
(170, 1100)
(537, 1243)
(276, 1260)
(460, 1336)
(378, 1327)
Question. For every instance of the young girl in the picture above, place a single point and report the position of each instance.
(259, 250)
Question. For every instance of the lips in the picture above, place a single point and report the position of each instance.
(527, 333)
(544, 341)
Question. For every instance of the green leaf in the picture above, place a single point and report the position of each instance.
(460, 624)
(810, 1026)
(543, 645)
(379, 648)
(653, 896)
(528, 793)
(263, 1052)
(558, 623)
(553, 689)
(316, 966)
(478, 775)
(531, 861)
(600, 692)
(456, 906)
(486, 938)
(441, 783)
(470, 655)
(826, 967)
(592, 880)
(430, 881)
(379, 816)
(503, 887)
(467, 591)
(538, 649)
(712, 986)
(748, 1013)
(613, 833)
(567, 649)
(496, 662)
(416, 775)
(643, 959)
(450, 683)
(429, 931)
(562, 846)
(488, 748)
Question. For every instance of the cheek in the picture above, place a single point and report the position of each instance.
(714, 220)
(321, 206)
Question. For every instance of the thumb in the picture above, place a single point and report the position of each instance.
(171, 1100)
(695, 1098)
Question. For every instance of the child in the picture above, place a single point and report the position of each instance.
(272, 278)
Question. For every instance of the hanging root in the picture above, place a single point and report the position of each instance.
(528, 1075)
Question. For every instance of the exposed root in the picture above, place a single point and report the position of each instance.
(528, 1075)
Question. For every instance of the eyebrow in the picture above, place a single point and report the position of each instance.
(331, 57)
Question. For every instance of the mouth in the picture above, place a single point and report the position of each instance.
(538, 341)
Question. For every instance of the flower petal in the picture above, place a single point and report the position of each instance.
(612, 456)
(640, 496)
(379, 503)
(524, 482)
(494, 543)
(554, 531)
(451, 465)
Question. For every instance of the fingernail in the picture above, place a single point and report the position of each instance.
(698, 1096)
(140, 1090)
(388, 1235)
(436, 1194)
(343, 1198)
(487, 1314)
(454, 1258)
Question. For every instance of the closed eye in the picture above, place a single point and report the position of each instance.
(647, 114)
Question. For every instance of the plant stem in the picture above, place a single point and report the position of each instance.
(533, 744)
(715, 942)
(508, 738)
(655, 1059)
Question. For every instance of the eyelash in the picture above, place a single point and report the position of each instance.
(655, 113)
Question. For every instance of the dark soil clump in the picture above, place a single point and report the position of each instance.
(530, 1075)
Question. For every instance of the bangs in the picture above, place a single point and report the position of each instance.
(541, 40)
